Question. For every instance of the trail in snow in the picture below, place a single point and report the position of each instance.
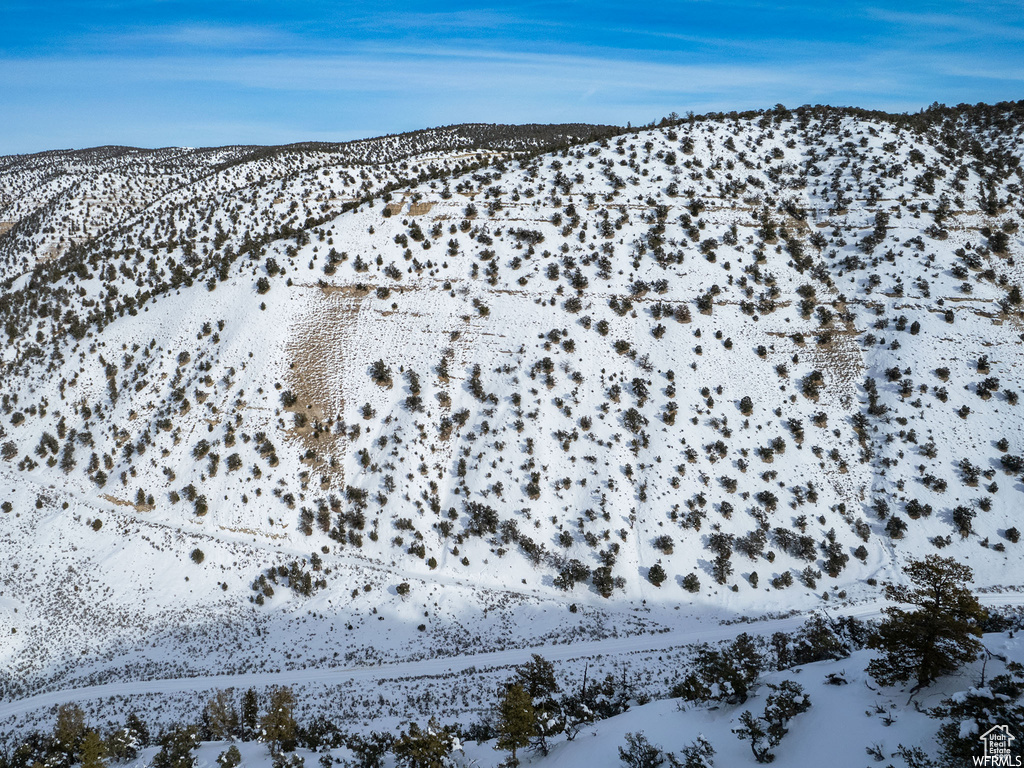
(440, 666)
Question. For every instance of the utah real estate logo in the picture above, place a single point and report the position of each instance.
(996, 741)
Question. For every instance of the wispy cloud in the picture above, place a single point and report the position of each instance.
(214, 36)
(480, 19)
(960, 26)
(448, 69)
(159, 40)
(184, 72)
(1005, 74)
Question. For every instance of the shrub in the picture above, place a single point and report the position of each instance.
(783, 580)
(963, 519)
(786, 700)
(809, 577)
(812, 383)
(656, 575)
(726, 674)
(381, 374)
(176, 749)
(603, 581)
(482, 519)
(696, 754)
(664, 543)
(229, 758)
(640, 753)
(197, 556)
(896, 527)
(1012, 463)
(633, 420)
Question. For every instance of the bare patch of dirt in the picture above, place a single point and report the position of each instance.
(420, 209)
(251, 532)
(317, 359)
(122, 503)
(842, 366)
(841, 363)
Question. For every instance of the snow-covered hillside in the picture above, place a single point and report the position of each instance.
(303, 409)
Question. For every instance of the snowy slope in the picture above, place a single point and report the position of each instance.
(571, 340)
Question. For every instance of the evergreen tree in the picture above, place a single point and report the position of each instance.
(93, 751)
(370, 751)
(69, 729)
(250, 713)
(134, 725)
(537, 677)
(753, 730)
(424, 749)
(786, 701)
(971, 713)
(724, 674)
(516, 721)
(938, 635)
(656, 575)
(278, 726)
(381, 374)
(123, 745)
(746, 657)
(815, 641)
(697, 754)
(229, 758)
(640, 753)
(783, 654)
(176, 749)
(220, 716)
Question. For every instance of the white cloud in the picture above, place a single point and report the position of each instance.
(192, 36)
(447, 69)
(957, 25)
(280, 92)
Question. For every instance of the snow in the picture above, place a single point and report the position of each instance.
(124, 612)
(842, 722)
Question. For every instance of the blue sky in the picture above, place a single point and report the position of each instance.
(78, 73)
